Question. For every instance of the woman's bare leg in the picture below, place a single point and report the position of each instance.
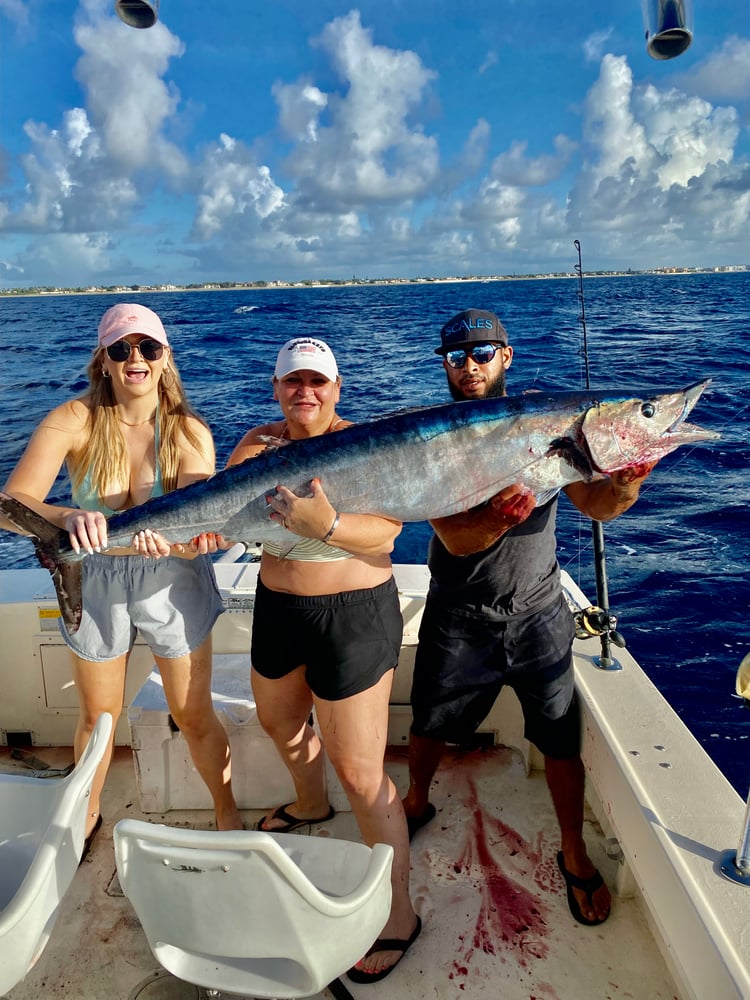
(100, 688)
(187, 686)
(354, 732)
(284, 707)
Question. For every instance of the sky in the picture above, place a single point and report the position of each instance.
(240, 141)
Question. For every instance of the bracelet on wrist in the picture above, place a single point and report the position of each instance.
(333, 527)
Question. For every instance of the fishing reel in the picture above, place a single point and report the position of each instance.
(593, 621)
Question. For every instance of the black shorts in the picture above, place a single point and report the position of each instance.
(464, 659)
(346, 641)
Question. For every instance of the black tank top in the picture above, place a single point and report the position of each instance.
(518, 574)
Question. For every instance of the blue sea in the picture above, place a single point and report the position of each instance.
(678, 563)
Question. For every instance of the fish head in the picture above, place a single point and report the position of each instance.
(621, 432)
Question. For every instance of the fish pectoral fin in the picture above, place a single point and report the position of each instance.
(67, 577)
(272, 442)
(572, 453)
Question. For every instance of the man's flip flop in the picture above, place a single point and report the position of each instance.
(385, 944)
(415, 823)
(291, 822)
(587, 885)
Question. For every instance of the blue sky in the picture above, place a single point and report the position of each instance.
(288, 140)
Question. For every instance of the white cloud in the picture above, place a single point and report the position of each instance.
(723, 75)
(353, 179)
(514, 167)
(300, 105)
(16, 11)
(79, 175)
(658, 170)
(234, 186)
(129, 103)
(594, 46)
(687, 133)
(490, 60)
(68, 256)
(365, 149)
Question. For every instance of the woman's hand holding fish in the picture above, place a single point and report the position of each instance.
(154, 545)
(87, 530)
(310, 517)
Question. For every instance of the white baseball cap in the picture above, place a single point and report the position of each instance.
(306, 353)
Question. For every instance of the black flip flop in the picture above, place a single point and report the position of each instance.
(587, 885)
(385, 944)
(291, 822)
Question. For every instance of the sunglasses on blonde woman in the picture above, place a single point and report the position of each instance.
(149, 349)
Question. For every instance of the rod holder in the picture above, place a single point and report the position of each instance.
(735, 865)
(669, 27)
(138, 13)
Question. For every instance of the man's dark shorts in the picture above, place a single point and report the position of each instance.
(347, 641)
(464, 659)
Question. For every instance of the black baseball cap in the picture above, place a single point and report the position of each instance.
(472, 326)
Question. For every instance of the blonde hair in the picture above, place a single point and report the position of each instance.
(105, 457)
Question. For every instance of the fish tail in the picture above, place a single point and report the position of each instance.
(48, 540)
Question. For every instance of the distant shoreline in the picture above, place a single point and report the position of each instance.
(261, 286)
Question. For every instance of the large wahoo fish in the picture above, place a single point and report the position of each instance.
(411, 466)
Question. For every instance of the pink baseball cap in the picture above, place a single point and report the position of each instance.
(125, 318)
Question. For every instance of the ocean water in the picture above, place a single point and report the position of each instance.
(678, 562)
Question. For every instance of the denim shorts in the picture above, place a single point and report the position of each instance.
(172, 602)
(346, 641)
(464, 659)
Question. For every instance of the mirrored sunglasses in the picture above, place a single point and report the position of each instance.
(150, 350)
(481, 353)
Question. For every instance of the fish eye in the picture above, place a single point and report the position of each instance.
(648, 409)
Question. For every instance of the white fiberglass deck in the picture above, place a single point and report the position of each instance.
(484, 879)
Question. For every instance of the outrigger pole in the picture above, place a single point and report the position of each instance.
(596, 620)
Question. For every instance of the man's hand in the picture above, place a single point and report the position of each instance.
(627, 482)
(208, 543)
(511, 506)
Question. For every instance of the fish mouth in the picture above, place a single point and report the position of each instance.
(679, 428)
(692, 394)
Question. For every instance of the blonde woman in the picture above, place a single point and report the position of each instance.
(130, 437)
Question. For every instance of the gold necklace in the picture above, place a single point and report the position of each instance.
(141, 424)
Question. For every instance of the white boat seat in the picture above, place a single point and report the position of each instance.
(42, 831)
(254, 913)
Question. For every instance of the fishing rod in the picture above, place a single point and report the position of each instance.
(597, 620)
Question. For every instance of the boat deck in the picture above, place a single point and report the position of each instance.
(484, 880)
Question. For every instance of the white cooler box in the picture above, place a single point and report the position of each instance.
(166, 776)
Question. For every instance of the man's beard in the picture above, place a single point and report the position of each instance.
(495, 389)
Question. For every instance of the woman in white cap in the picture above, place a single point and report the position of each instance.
(327, 632)
(131, 436)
